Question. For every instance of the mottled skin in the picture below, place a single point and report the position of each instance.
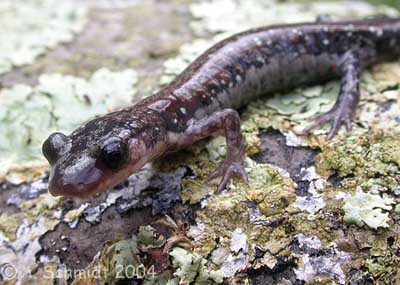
(202, 100)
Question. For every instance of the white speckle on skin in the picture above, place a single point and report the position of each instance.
(349, 27)
(257, 41)
(125, 133)
(160, 105)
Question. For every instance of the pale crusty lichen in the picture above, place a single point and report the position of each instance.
(364, 208)
(263, 217)
(25, 120)
(29, 28)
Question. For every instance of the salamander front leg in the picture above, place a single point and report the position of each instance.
(349, 96)
(227, 121)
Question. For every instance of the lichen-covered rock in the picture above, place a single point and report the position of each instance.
(31, 27)
(28, 115)
(332, 218)
(365, 208)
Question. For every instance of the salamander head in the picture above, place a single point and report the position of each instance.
(94, 158)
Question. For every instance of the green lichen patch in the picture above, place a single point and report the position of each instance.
(370, 156)
(43, 206)
(129, 259)
(9, 225)
(149, 238)
(382, 266)
(270, 190)
(123, 258)
(118, 260)
(191, 268)
(29, 28)
(367, 209)
(368, 161)
(25, 119)
(19, 248)
(236, 218)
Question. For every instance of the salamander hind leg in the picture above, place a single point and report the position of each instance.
(345, 106)
(227, 121)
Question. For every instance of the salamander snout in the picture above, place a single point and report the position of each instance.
(55, 146)
(81, 180)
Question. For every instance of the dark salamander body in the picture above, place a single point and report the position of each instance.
(202, 100)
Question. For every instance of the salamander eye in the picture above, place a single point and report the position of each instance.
(114, 153)
(55, 146)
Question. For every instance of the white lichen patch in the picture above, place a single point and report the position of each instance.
(20, 255)
(238, 241)
(385, 112)
(192, 268)
(29, 114)
(242, 15)
(313, 201)
(325, 264)
(29, 28)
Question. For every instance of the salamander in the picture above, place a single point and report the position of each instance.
(203, 99)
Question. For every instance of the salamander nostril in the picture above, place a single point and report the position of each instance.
(55, 146)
